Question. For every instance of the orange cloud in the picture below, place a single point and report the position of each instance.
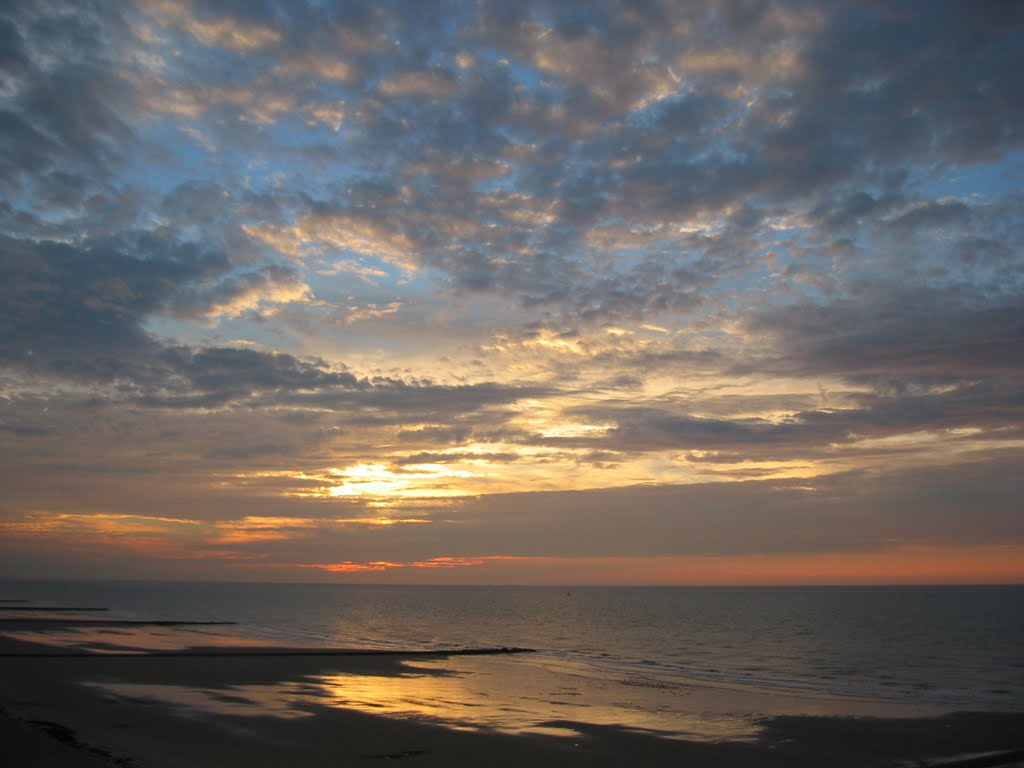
(349, 567)
(383, 565)
(903, 565)
(85, 523)
(224, 32)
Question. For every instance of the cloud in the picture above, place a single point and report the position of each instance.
(942, 334)
(247, 291)
(252, 247)
(78, 311)
(375, 566)
(437, 83)
(671, 127)
(223, 31)
(868, 516)
(923, 506)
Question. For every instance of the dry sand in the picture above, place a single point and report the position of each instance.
(49, 717)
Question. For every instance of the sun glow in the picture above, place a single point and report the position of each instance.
(419, 480)
(576, 430)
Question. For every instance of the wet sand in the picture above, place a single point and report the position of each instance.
(72, 710)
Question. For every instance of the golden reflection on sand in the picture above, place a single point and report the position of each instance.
(471, 694)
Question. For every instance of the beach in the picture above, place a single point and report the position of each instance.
(98, 704)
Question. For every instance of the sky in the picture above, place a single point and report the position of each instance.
(630, 292)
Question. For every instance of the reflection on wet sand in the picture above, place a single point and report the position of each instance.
(464, 693)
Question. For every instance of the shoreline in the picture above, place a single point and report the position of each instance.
(69, 710)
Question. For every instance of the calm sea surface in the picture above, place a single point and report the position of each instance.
(950, 647)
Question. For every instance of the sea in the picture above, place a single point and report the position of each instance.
(697, 662)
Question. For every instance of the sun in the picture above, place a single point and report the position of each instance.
(377, 480)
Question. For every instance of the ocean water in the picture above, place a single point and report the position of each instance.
(688, 661)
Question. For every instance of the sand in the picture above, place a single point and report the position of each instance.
(68, 710)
